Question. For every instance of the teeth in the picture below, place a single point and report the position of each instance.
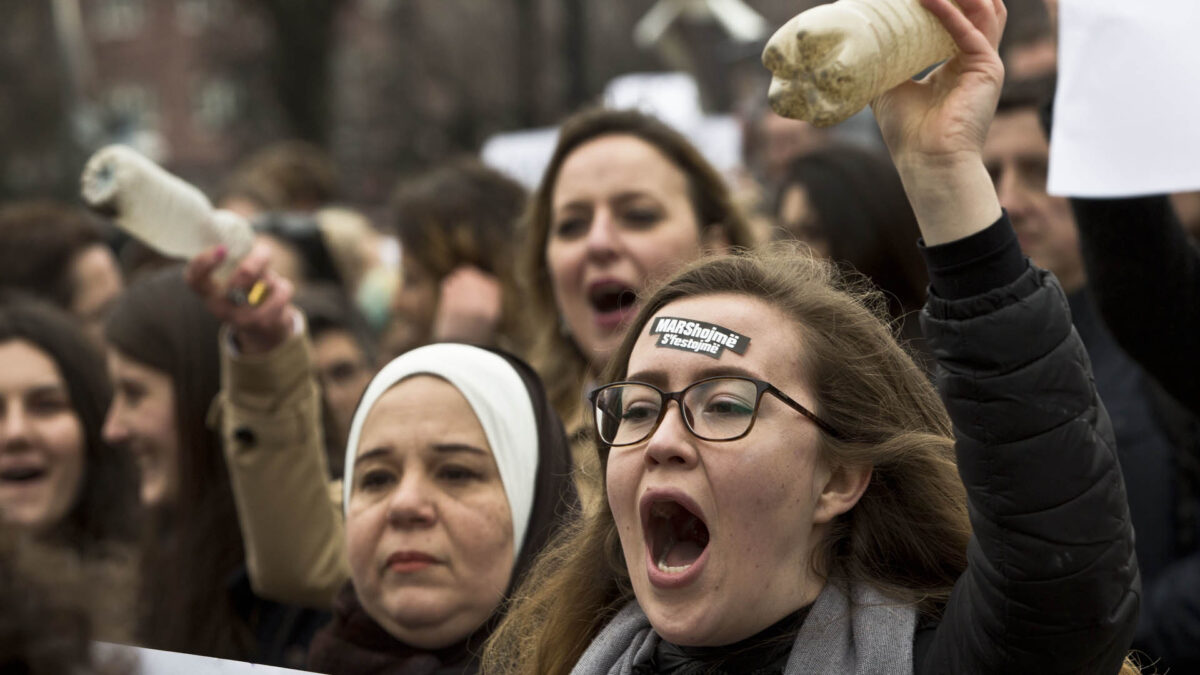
(662, 558)
(662, 565)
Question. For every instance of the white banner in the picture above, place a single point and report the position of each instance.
(1127, 111)
(155, 662)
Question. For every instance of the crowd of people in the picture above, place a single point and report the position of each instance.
(917, 421)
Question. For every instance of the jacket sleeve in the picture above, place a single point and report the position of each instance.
(271, 428)
(1051, 584)
(1145, 276)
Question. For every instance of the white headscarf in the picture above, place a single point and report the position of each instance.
(501, 402)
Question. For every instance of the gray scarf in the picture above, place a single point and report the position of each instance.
(873, 635)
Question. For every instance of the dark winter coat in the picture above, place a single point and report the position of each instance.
(1052, 581)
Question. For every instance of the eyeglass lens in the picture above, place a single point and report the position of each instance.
(714, 410)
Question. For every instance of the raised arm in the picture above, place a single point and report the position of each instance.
(1051, 584)
(270, 410)
(935, 128)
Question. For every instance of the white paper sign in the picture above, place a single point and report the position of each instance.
(156, 662)
(672, 97)
(523, 155)
(1127, 110)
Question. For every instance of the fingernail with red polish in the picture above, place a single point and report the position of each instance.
(222, 251)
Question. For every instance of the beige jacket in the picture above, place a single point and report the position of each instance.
(291, 519)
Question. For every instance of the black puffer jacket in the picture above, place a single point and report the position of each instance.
(1052, 584)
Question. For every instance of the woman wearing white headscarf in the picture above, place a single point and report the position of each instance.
(457, 472)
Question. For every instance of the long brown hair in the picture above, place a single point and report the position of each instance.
(907, 535)
(555, 356)
(192, 546)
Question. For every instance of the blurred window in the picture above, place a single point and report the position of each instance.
(215, 103)
(195, 16)
(133, 105)
(119, 19)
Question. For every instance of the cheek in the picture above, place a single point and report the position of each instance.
(65, 436)
(69, 448)
(567, 293)
(65, 443)
(674, 244)
(770, 501)
(363, 529)
(486, 524)
(483, 535)
(1066, 231)
(621, 484)
(341, 393)
(619, 475)
(562, 265)
(162, 424)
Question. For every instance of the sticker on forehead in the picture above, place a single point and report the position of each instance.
(698, 337)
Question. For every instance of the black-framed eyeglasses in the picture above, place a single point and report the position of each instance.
(714, 409)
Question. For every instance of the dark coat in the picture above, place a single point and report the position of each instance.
(1052, 581)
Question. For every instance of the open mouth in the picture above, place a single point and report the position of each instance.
(611, 297)
(677, 536)
(24, 474)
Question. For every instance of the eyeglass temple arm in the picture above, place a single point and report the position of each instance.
(821, 424)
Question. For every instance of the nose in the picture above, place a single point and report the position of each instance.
(14, 427)
(411, 505)
(671, 443)
(114, 430)
(602, 236)
(1014, 197)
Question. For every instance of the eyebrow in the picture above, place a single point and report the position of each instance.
(130, 384)
(632, 195)
(620, 198)
(660, 377)
(438, 448)
(47, 389)
(450, 448)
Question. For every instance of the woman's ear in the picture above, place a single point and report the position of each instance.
(714, 238)
(842, 491)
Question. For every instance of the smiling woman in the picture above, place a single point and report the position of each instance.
(37, 488)
(457, 473)
(163, 359)
(58, 477)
